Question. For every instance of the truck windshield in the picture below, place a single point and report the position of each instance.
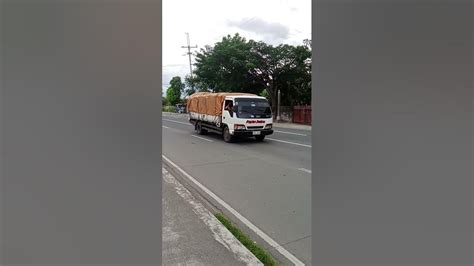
(252, 108)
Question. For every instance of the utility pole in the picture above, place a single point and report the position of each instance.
(278, 107)
(189, 54)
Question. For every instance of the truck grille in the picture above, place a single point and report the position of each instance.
(255, 127)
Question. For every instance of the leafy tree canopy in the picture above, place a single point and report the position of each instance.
(238, 65)
(173, 94)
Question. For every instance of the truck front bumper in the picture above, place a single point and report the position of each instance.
(247, 133)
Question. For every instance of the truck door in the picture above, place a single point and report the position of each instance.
(227, 114)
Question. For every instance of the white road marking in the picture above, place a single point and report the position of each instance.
(239, 216)
(278, 140)
(304, 170)
(220, 233)
(176, 130)
(288, 142)
(291, 133)
(202, 138)
(187, 124)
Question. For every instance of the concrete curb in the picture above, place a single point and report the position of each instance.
(292, 126)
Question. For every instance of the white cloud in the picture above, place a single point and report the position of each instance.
(272, 32)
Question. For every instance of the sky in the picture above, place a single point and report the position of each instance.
(207, 21)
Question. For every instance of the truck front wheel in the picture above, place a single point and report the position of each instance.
(227, 136)
(260, 137)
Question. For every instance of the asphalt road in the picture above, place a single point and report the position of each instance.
(268, 182)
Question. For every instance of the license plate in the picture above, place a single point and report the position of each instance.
(256, 132)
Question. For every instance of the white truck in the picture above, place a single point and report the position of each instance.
(230, 114)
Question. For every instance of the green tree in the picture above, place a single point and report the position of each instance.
(264, 93)
(225, 67)
(173, 94)
(191, 84)
(165, 101)
(283, 68)
(235, 64)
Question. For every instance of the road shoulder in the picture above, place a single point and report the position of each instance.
(292, 126)
(192, 234)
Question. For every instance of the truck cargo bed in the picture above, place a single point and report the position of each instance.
(216, 120)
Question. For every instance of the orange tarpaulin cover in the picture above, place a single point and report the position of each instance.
(210, 103)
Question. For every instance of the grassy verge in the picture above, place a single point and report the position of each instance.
(170, 109)
(259, 252)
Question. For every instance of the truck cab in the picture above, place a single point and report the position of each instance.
(246, 116)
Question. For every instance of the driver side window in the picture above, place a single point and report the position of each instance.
(228, 105)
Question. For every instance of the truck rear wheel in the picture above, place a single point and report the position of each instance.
(227, 136)
(199, 129)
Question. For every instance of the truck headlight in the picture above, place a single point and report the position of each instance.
(236, 126)
(269, 126)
